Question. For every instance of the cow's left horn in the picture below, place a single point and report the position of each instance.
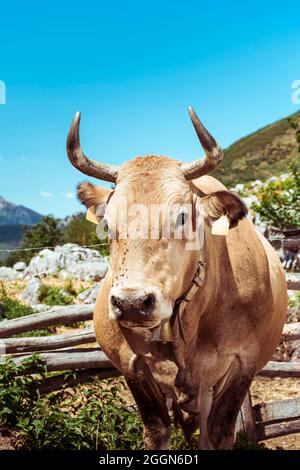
(213, 152)
(78, 159)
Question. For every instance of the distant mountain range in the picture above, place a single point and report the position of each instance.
(13, 218)
(11, 214)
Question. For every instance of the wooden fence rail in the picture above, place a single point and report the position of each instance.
(59, 315)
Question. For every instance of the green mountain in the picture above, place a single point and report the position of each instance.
(267, 152)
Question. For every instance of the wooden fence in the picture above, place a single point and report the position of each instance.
(61, 353)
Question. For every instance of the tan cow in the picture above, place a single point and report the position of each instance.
(225, 302)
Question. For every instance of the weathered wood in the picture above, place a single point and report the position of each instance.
(292, 244)
(246, 420)
(280, 369)
(47, 343)
(56, 316)
(293, 284)
(58, 382)
(277, 410)
(269, 431)
(291, 331)
(70, 359)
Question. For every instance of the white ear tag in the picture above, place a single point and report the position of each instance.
(91, 215)
(220, 226)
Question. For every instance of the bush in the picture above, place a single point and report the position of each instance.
(11, 308)
(49, 295)
(96, 418)
(279, 201)
(16, 395)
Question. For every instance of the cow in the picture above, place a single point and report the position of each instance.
(188, 328)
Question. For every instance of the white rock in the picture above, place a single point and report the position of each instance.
(30, 293)
(89, 296)
(20, 266)
(69, 261)
(8, 274)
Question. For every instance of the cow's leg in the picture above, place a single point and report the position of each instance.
(206, 400)
(230, 394)
(154, 414)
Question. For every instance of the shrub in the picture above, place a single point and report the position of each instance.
(49, 295)
(279, 201)
(16, 395)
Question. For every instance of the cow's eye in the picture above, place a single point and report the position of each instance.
(181, 219)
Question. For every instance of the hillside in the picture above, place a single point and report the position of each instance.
(266, 152)
(11, 214)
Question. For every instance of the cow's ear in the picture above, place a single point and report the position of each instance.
(91, 195)
(219, 203)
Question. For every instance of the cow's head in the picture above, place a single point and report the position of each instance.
(152, 263)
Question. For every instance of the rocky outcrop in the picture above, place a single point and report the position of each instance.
(69, 261)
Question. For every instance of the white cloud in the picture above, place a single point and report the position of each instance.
(69, 195)
(46, 194)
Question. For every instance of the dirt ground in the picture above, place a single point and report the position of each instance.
(264, 390)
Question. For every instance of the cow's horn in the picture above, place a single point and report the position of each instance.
(78, 159)
(213, 152)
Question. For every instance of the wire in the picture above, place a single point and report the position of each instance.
(47, 247)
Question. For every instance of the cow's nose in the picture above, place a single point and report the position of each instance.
(127, 305)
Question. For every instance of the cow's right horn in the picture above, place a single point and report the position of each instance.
(78, 159)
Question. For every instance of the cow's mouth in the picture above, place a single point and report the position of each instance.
(134, 325)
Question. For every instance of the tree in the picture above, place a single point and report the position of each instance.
(279, 201)
(45, 233)
(81, 231)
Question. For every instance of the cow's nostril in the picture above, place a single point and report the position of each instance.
(149, 303)
(115, 301)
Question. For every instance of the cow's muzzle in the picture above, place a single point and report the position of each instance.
(137, 306)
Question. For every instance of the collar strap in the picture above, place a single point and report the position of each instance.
(196, 282)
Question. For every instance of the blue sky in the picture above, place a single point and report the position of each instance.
(132, 68)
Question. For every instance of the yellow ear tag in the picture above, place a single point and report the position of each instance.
(91, 215)
(220, 226)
